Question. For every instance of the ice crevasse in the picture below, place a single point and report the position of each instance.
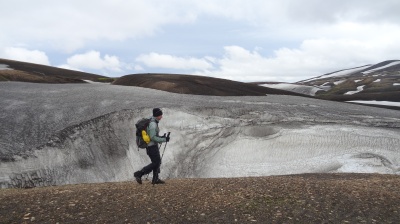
(205, 145)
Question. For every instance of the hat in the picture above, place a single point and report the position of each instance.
(157, 112)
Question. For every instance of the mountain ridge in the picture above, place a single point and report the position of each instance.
(377, 82)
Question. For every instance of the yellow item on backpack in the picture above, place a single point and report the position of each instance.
(145, 136)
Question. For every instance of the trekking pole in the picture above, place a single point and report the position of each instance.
(165, 146)
(159, 168)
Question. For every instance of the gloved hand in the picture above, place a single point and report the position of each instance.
(167, 139)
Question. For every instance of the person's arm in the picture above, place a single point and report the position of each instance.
(153, 134)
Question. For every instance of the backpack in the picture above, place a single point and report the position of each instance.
(142, 139)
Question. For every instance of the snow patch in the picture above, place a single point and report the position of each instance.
(359, 89)
(396, 84)
(92, 82)
(378, 80)
(339, 82)
(308, 90)
(358, 80)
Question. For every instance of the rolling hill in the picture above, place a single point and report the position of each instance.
(197, 85)
(11, 70)
(176, 83)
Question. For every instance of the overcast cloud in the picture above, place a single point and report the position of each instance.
(258, 40)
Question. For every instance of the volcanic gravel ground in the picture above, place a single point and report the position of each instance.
(307, 198)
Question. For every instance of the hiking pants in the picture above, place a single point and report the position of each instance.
(154, 153)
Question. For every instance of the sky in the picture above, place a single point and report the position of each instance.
(241, 40)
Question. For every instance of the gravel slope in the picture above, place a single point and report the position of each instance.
(307, 198)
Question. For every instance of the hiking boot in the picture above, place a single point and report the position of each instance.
(158, 181)
(138, 176)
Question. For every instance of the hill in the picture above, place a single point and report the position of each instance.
(28, 72)
(375, 85)
(307, 198)
(197, 85)
(380, 82)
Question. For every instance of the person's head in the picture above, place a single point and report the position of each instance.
(157, 113)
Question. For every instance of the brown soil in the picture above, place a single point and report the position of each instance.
(308, 198)
(197, 85)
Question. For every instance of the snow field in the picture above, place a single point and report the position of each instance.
(308, 150)
(85, 133)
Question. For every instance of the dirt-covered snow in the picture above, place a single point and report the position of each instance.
(83, 133)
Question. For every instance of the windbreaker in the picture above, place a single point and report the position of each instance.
(153, 132)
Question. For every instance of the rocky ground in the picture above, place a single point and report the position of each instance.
(307, 198)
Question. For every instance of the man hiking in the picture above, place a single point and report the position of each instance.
(152, 149)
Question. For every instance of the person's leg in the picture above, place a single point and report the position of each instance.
(156, 161)
(154, 153)
(156, 169)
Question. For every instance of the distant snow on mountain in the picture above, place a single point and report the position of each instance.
(341, 73)
(303, 89)
(382, 67)
(377, 83)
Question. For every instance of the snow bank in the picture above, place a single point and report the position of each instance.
(4, 67)
(387, 103)
(307, 149)
(204, 146)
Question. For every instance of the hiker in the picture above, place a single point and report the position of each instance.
(153, 150)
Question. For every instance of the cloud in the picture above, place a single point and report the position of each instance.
(93, 60)
(313, 57)
(22, 54)
(87, 21)
(138, 68)
(243, 40)
(156, 60)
